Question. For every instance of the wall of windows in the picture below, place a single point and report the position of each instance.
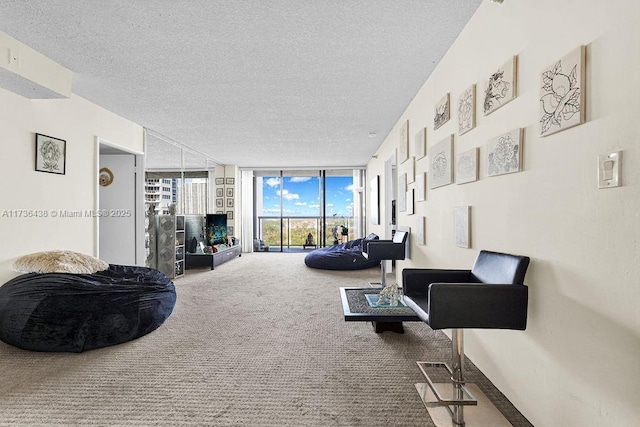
(303, 209)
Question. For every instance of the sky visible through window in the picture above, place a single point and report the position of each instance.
(301, 196)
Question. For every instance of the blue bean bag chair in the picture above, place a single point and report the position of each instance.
(66, 312)
(345, 256)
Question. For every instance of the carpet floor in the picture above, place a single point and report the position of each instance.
(260, 341)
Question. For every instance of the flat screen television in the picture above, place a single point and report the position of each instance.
(216, 228)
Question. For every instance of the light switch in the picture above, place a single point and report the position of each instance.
(609, 168)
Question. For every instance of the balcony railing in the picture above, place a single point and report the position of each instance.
(296, 229)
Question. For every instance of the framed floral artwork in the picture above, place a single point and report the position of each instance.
(440, 163)
(562, 93)
(51, 154)
(442, 112)
(504, 153)
(467, 110)
(500, 87)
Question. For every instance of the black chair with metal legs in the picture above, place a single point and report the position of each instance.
(491, 295)
(386, 250)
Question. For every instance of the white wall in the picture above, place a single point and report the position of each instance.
(78, 122)
(577, 362)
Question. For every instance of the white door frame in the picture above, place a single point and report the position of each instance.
(139, 197)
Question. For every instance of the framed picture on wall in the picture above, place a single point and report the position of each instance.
(462, 226)
(402, 193)
(440, 163)
(230, 230)
(219, 181)
(229, 203)
(420, 143)
(229, 181)
(500, 87)
(229, 214)
(219, 203)
(504, 153)
(421, 180)
(467, 110)
(562, 93)
(374, 197)
(410, 199)
(51, 154)
(411, 170)
(420, 227)
(467, 166)
(230, 192)
(442, 112)
(403, 142)
(219, 192)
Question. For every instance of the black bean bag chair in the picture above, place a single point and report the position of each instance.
(77, 312)
(345, 256)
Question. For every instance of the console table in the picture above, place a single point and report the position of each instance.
(212, 260)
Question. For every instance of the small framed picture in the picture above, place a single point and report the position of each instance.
(219, 192)
(442, 112)
(219, 203)
(51, 154)
(230, 230)
(219, 181)
(462, 226)
(229, 181)
(230, 192)
(219, 212)
(229, 214)
(229, 203)
(420, 227)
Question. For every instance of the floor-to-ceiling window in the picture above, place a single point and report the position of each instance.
(339, 206)
(305, 209)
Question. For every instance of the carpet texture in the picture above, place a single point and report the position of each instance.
(260, 341)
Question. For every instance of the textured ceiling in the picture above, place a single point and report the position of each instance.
(251, 83)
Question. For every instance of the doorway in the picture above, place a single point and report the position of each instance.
(119, 204)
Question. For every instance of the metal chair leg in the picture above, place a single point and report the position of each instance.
(457, 377)
(445, 402)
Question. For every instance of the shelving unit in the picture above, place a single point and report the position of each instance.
(170, 245)
(180, 236)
